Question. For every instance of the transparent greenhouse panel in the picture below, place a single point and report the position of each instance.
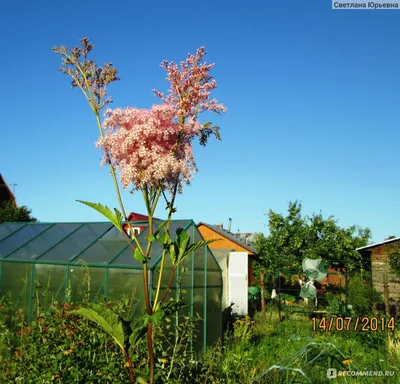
(20, 238)
(125, 259)
(198, 308)
(40, 244)
(50, 284)
(71, 246)
(103, 251)
(86, 283)
(214, 315)
(126, 285)
(214, 275)
(199, 265)
(16, 280)
(6, 229)
(185, 272)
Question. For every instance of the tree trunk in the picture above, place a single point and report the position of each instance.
(262, 291)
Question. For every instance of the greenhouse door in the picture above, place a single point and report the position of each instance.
(238, 290)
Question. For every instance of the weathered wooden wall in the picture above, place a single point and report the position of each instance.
(380, 265)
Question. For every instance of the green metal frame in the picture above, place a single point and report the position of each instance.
(12, 233)
(187, 225)
(55, 245)
(27, 242)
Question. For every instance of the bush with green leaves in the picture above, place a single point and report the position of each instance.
(362, 295)
(59, 347)
(63, 346)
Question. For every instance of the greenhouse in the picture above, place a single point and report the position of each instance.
(41, 263)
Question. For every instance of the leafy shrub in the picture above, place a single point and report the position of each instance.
(61, 348)
(362, 295)
(243, 329)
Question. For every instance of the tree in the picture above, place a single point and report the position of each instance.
(10, 212)
(283, 247)
(294, 237)
(327, 241)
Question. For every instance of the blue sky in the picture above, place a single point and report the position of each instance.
(312, 95)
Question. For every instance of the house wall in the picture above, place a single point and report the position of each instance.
(380, 265)
(334, 279)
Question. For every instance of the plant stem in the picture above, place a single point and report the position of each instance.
(169, 283)
(176, 323)
(146, 289)
(150, 349)
(146, 286)
(129, 360)
(147, 254)
(168, 226)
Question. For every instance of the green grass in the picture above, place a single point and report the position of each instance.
(284, 342)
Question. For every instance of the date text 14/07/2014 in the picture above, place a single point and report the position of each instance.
(363, 324)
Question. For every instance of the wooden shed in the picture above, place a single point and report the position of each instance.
(378, 254)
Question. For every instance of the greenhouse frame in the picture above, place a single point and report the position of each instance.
(43, 263)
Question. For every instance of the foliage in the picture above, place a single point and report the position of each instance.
(273, 341)
(394, 261)
(336, 304)
(59, 347)
(173, 341)
(294, 237)
(362, 295)
(243, 329)
(285, 244)
(10, 212)
(328, 241)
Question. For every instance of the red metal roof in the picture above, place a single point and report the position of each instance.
(133, 216)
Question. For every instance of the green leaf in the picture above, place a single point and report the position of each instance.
(115, 218)
(138, 255)
(104, 318)
(154, 236)
(172, 306)
(188, 249)
(157, 316)
(165, 240)
(137, 334)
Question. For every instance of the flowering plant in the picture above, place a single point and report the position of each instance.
(151, 151)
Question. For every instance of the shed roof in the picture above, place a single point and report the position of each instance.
(378, 244)
(230, 236)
